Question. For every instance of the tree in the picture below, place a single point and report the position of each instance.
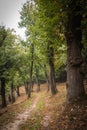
(31, 70)
(10, 61)
(47, 77)
(75, 87)
(3, 35)
(31, 23)
(69, 16)
(3, 92)
(52, 81)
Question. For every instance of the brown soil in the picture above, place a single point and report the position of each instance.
(56, 115)
(66, 116)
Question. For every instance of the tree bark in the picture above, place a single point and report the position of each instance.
(31, 70)
(38, 84)
(37, 79)
(51, 68)
(3, 96)
(32, 86)
(47, 78)
(18, 91)
(12, 93)
(75, 87)
(9, 98)
(26, 87)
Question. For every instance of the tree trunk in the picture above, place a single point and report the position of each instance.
(31, 70)
(12, 93)
(3, 92)
(32, 86)
(18, 92)
(37, 80)
(9, 98)
(26, 87)
(38, 84)
(51, 70)
(47, 78)
(75, 87)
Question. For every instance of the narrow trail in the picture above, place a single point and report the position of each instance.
(46, 118)
(21, 118)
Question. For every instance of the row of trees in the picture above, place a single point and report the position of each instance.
(54, 30)
(22, 63)
(10, 60)
(47, 49)
(53, 26)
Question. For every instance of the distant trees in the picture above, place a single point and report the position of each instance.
(41, 30)
(11, 54)
(52, 24)
(54, 30)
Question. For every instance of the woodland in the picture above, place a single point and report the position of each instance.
(45, 74)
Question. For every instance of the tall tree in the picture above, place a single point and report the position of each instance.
(52, 81)
(3, 35)
(10, 58)
(31, 70)
(3, 95)
(75, 87)
(69, 16)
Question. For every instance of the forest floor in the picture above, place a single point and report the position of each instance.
(44, 112)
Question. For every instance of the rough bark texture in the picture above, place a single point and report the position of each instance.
(3, 92)
(75, 87)
(51, 69)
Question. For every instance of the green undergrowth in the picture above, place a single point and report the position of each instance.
(34, 121)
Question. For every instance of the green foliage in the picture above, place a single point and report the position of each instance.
(41, 20)
(3, 34)
(13, 59)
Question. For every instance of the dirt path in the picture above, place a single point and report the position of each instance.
(48, 112)
(21, 118)
(46, 118)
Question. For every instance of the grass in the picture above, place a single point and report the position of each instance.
(12, 110)
(34, 121)
(62, 116)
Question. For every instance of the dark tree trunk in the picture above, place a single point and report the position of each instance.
(32, 86)
(9, 98)
(31, 70)
(38, 84)
(18, 91)
(47, 78)
(75, 87)
(37, 79)
(12, 93)
(3, 92)
(52, 69)
(26, 87)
